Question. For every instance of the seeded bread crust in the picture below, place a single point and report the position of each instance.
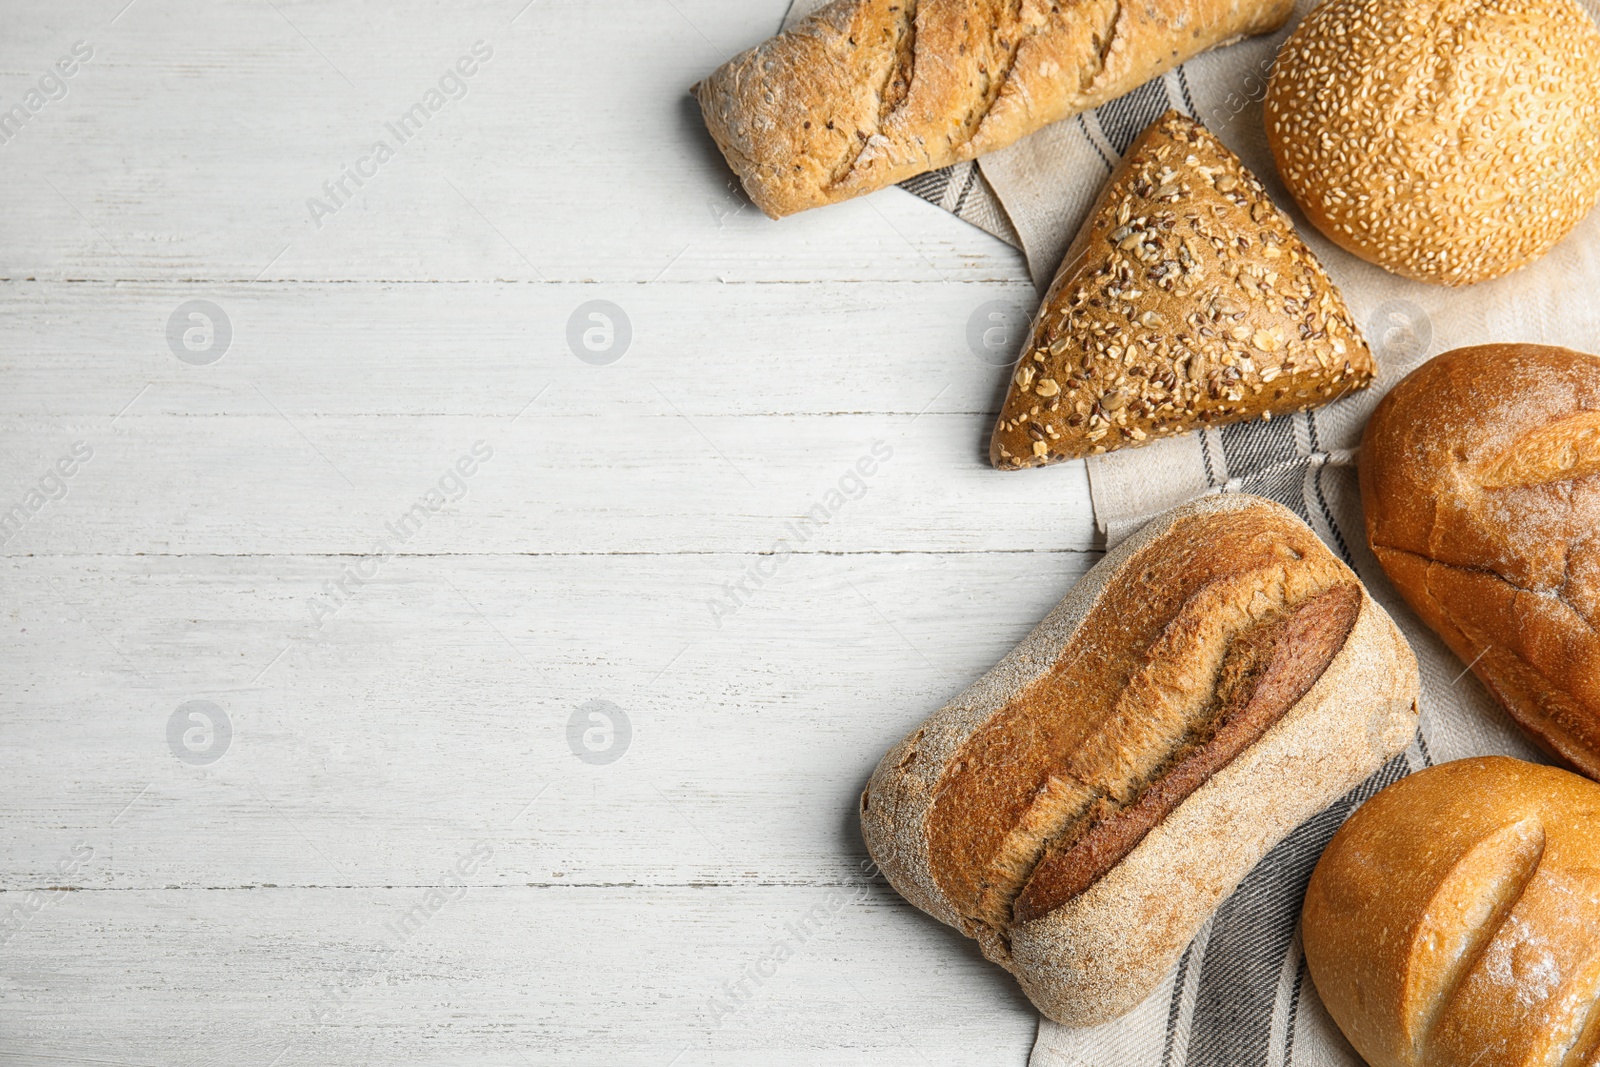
(1448, 141)
(866, 93)
(1102, 952)
(1186, 300)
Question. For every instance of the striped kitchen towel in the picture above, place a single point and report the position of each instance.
(1240, 995)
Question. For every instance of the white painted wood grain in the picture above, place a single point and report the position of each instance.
(565, 485)
(599, 976)
(482, 348)
(189, 145)
(240, 912)
(433, 707)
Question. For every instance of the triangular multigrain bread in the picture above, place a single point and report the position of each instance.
(1185, 301)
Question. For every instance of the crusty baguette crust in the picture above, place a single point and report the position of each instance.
(1480, 479)
(1454, 921)
(1101, 953)
(866, 93)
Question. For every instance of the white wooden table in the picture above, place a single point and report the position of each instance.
(379, 837)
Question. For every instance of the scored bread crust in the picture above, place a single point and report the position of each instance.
(1454, 921)
(1098, 955)
(866, 93)
(1480, 480)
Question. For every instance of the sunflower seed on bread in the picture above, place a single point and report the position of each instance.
(1187, 300)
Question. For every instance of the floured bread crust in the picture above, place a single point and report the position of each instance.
(1102, 703)
(866, 93)
(1454, 921)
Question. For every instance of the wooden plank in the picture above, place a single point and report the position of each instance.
(502, 976)
(703, 348)
(436, 703)
(275, 483)
(192, 141)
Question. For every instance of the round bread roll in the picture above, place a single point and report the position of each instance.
(1454, 921)
(1449, 141)
(1480, 479)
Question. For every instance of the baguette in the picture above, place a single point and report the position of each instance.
(1082, 808)
(866, 93)
(1454, 921)
(1480, 479)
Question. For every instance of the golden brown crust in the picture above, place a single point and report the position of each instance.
(1268, 668)
(866, 93)
(1445, 140)
(1479, 482)
(1186, 300)
(1118, 683)
(1455, 919)
(1089, 733)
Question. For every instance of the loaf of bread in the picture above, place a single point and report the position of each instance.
(1213, 682)
(866, 93)
(1186, 300)
(1445, 140)
(1454, 921)
(1480, 477)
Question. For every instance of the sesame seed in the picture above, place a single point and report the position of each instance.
(1240, 324)
(1441, 151)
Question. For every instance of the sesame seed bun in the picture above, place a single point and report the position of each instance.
(1449, 141)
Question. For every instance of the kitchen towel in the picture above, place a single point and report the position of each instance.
(1240, 995)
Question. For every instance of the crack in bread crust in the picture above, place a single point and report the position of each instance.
(1538, 701)
(1268, 669)
(1010, 34)
(893, 88)
(1480, 481)
(1085, 737)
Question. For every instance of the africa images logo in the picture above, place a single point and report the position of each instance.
(199, 332)
(599, 732)
(51, 487)
(51, 86)
(599, 332)
(452, 85)
(199, 732)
